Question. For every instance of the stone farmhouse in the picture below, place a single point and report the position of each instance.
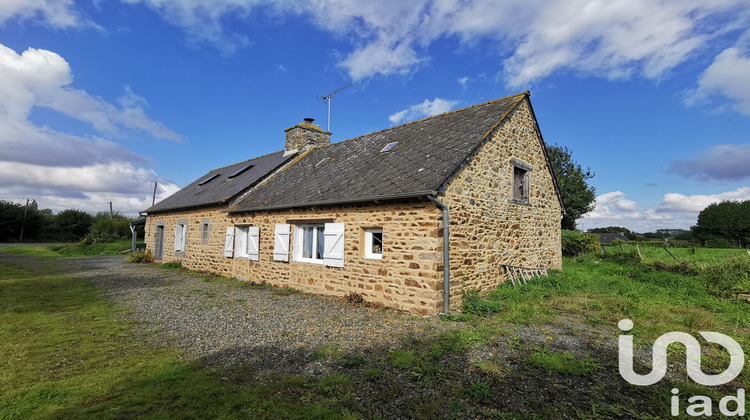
(409, 217)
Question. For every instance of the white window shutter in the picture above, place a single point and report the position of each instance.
(229, 243)
(240, 242)
(333, 254)
(281, 243)
(253, 240)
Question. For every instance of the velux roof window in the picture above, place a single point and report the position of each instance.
(388, 147)
(240, 171)
(209, 179)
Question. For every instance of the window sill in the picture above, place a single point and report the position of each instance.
(519, 202)
(309, 261)
(373, 257)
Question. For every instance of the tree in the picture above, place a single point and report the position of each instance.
(729, 220)
(577, 196)
(72, 224)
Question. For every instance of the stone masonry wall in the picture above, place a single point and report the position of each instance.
(408, 277)
(489, 229)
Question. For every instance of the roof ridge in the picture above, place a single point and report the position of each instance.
(244, 161)
(525, 93)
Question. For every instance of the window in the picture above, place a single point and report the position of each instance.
(310, 243)
(388, 147)
(316, 243)
(180, 235)
(209, 179)
(374, 243)
(520, 184)
(242, 242)
(520, 191)
(205, 232)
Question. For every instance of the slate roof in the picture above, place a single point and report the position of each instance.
(428, 153)
(222, 188)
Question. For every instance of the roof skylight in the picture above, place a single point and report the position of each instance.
(240, 171)
(209, 179)
(388, 147)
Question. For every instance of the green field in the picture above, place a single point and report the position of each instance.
(697, 256)
(70, 250)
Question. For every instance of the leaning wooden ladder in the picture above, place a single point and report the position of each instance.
(518, 274)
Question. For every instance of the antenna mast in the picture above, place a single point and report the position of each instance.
(328, 98)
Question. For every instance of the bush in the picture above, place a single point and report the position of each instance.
(106, 229)
(729, 276)
(141, 257)
(574, 243)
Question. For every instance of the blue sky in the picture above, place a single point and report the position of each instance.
(100, 98)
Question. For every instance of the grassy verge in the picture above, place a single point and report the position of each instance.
(63, 355)
(70, 250)
(696, 256)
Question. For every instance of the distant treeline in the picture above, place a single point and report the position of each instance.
(720, 225)
(41, 225)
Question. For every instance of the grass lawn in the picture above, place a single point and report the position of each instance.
(64, 355)
(70, 250)
(697, 256)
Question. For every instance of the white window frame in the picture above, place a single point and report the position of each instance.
(368, 244)
(180, 237)
(333, 236)
(299, 238)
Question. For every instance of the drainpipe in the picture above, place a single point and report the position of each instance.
(446, 254)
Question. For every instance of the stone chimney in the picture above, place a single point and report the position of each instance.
(305, 135)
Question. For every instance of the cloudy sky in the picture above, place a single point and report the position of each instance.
(99, 99)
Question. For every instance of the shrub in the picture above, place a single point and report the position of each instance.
(729, 276)
(141, 257)
(574, 243)
(107, 229)
(473, 304)
(354, 297)
(72, 225)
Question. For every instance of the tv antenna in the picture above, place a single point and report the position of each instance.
(328, 98)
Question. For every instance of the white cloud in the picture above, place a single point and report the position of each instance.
(425, 109)
(57, 13)
(727, 76)
(673, 211)
(674, 202)
(463, 81)
(721, 162)
(62, 170)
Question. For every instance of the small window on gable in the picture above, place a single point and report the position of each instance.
(520, 183)
(374, 243)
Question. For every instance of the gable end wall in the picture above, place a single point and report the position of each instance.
(487, 228)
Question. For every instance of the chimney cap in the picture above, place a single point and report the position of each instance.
(309, 120)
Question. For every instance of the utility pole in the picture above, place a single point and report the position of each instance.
(328, 98)
(153, 200)
(23, 224)
(111, 213)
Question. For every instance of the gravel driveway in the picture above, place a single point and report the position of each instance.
(220, 324)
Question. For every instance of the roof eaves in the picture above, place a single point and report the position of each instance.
(334, 201)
